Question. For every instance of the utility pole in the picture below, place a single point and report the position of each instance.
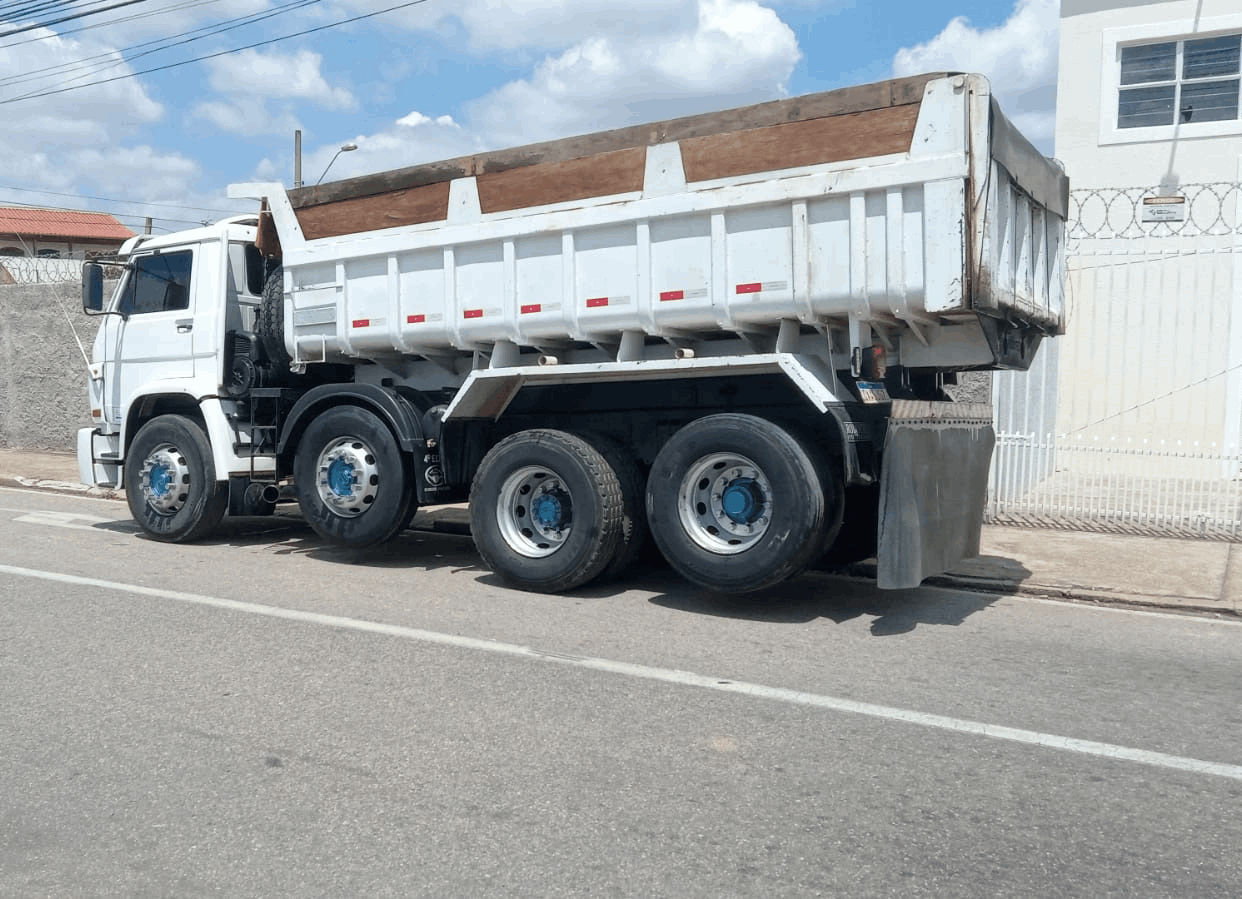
(297, 158)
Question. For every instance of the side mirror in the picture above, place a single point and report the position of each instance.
(92, 288)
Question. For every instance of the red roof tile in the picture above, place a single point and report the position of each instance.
(65, 224)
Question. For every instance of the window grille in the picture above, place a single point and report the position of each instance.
(1179, 82)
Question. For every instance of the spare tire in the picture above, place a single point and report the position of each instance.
(270, 326)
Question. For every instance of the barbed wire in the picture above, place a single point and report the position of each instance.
(1209, 209)
(45, 270)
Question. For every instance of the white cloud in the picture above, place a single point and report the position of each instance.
(737, 52)
(1018, 56)
(260, 91)
(74, 142)
(549, 24)
(412, 139)
(728, 53)
(246, 115)
(138, 171)
(281, 76)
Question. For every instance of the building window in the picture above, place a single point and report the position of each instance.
(1179, 82)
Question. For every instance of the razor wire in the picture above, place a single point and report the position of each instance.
(1208, 209)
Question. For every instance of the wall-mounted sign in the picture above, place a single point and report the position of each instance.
(1164, 209)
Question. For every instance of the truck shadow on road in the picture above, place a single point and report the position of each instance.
(842, 598)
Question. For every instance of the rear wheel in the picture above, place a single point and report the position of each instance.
(170, 480)
(634, 532)
(546, 511)
(352, 482)
(736, 503)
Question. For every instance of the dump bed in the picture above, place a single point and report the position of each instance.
(912, 205)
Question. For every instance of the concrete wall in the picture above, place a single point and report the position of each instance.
(43, 378)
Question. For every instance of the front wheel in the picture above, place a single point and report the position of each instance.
(352, 483)
(170, 480)
(548, 511)
(737, 504)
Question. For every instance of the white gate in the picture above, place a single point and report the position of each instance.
(1132, 421)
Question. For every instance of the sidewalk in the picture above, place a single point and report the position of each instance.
(1197, 576)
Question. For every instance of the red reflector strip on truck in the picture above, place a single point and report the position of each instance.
(360, 323)
(415, 319)
(749, 288)
(472, 313)
(533, 307)
(672, 295)
(597, 302)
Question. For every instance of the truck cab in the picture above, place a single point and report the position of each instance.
(162, 347)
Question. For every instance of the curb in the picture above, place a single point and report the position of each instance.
(61, 487)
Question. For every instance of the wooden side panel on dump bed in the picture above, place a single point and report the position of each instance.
(852, 123)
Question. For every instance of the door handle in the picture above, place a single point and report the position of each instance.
(185, 325)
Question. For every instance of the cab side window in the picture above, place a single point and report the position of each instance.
(159, 283)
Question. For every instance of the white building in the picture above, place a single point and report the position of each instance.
(1147, 92)
(1134, 418)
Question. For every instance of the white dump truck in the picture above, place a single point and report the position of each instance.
(732, 332)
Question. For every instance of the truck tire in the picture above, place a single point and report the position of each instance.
(170, 481)
(270, 325)
(736, 503)
(634, 532)
(547, 511)
(352, 482)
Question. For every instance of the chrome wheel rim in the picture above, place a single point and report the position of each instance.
(725, 503)
(534, 511)
(165, 479)
(347, 477)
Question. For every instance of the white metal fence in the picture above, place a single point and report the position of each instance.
(1132, 421)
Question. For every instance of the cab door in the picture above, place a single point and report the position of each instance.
(150, 344)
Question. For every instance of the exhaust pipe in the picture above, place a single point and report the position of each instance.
(262, 493)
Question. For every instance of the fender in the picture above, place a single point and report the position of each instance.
(394, 409)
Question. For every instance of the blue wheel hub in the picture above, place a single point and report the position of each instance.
(347, 477)
(165, 479)
(159, 480)
(547, 511)
(742, 500)
(341, 477)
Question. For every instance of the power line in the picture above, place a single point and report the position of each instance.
(56, 193)
(80, 15)
(174, 65)
(111, 59)
(188, 4)
(17, 11)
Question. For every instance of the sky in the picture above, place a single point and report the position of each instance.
(152, 107)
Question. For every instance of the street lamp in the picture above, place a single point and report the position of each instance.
(345, 148)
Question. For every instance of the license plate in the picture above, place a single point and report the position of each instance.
(872, 391)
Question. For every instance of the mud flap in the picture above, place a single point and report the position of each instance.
(932, 489)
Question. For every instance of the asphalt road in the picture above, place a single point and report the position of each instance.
(260, 715)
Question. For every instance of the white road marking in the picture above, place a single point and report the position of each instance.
(664, 675)
(59, 519)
